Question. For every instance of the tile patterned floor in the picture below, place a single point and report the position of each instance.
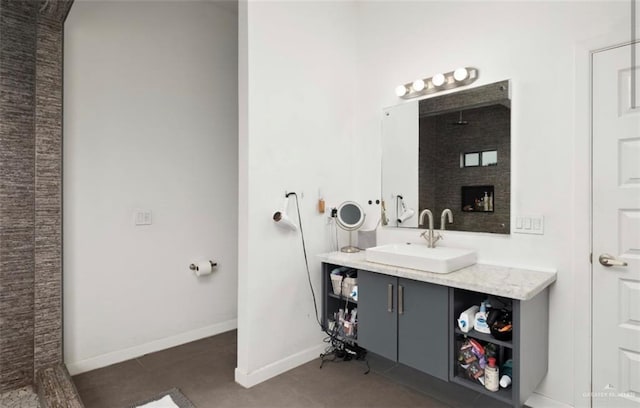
(20, 398)
(204, 372)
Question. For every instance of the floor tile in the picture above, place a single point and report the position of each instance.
(21, 398)
(222, 344)
(118, 385)
(204, 372)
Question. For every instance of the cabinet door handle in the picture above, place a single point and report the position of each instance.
(390, 298)
(400, 299)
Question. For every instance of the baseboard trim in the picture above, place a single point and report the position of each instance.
(540, 401)
(248, 380)
(118, 356)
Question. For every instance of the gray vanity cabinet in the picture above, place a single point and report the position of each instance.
(423, 327)
(413, 323)
(377, 314)
(405, 321)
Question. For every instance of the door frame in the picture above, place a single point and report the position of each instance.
(582, 216)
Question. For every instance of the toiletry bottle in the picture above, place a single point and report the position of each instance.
(507, 369)
(480, 323)
(320, 202)
(485, 201)
(467, 319)
(491, 376)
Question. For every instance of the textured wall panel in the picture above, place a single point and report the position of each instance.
(30, 188)
(48, 196)
(17, 162)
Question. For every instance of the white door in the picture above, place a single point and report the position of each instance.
(616, 230)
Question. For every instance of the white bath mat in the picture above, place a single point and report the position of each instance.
(164, 402)
(173, 398)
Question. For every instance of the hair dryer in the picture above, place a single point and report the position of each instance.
(282, 219)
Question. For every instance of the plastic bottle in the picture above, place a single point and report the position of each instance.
(491, 376)
(485, 201)
(507, 369)
(480, 323)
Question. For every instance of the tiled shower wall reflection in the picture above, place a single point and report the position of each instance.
(30, 188)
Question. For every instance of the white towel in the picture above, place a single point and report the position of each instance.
(164, 402)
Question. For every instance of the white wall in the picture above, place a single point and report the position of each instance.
(150, 122)
(297, 108)
(533, 44)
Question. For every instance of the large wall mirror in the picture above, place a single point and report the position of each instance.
(451, 151)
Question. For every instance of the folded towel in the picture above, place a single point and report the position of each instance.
(164, 402)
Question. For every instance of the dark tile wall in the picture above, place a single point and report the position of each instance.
(48, 196)
(17, 191)
(441, 143)
(30, 188)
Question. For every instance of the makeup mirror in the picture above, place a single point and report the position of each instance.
(350, 217)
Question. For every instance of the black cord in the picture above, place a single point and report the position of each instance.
(336, 345)
(306, 261)
(335, 227)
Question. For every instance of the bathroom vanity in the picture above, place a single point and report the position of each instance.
(409, 317)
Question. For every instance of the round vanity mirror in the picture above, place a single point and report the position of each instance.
(350, 218)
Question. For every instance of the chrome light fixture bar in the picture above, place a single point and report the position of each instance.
(438, 82)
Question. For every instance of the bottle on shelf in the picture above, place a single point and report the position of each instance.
(467, 319)
(480, 323)
(507, 369)
(491, 376)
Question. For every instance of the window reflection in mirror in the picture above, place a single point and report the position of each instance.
(471, 160)
(475, 159)
(490, 158)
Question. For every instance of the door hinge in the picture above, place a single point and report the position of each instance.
(591, 258)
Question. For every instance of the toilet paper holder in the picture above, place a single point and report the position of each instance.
(194, 267)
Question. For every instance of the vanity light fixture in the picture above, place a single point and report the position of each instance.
(460, 74)
(401, 90)
(439, 82)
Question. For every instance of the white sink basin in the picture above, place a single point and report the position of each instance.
(421, 257)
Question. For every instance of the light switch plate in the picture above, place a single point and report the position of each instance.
(142, 217)
(529, 224)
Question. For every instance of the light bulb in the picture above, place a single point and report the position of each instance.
(460, 74)
(401, 90)
(437, 80)
(418, 85)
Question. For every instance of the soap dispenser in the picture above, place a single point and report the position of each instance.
(481, 320)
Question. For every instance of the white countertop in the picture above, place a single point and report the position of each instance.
(515, 283)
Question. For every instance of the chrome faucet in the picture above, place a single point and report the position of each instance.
(445, 212)
(429, 234)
